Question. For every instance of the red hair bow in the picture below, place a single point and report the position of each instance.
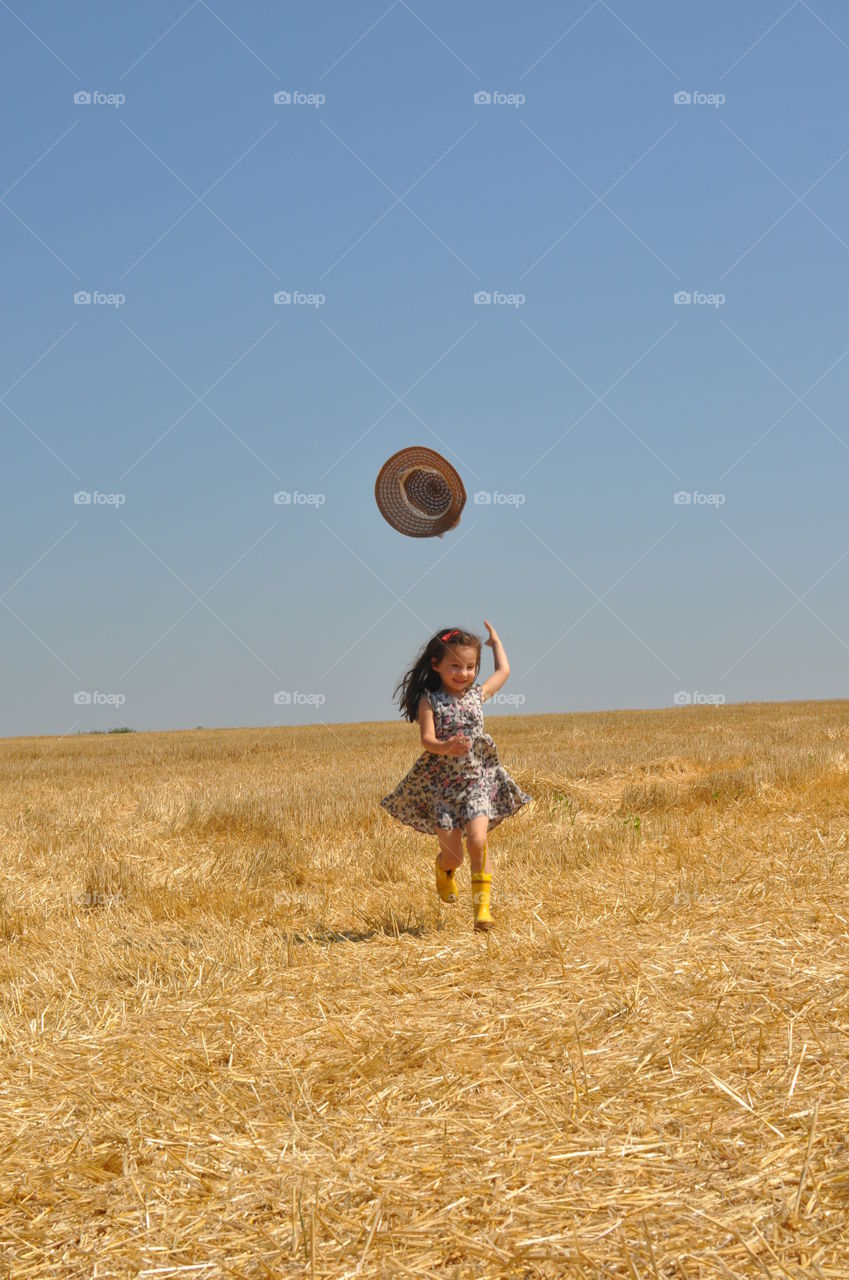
(449, 634)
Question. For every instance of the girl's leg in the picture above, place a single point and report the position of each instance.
(450, 854)
(476, 829)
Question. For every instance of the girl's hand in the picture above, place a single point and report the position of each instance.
(458, 745)
(493, 635)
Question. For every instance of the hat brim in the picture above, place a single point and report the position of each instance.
(445, 496)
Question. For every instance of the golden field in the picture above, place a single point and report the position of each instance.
(241, 1037)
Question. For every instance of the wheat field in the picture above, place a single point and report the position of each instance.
(241, 1036)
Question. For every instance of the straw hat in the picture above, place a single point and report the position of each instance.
(419, 493)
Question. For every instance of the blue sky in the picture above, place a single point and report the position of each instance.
(182, 197)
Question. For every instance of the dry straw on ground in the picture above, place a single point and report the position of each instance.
(239, 1035)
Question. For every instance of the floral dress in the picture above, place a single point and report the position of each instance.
(441, 793)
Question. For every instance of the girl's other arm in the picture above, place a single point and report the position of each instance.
(427, 728)
(430, 742)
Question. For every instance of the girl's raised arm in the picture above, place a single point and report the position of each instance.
(502, 666)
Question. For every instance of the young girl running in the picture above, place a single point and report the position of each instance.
(458, 782)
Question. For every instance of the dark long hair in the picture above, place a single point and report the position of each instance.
(421, 676)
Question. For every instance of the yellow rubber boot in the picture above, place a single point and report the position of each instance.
(481, 881)
(446, 884)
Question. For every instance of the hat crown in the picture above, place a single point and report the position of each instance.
(427, 491)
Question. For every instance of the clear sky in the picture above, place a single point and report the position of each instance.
(382, 197)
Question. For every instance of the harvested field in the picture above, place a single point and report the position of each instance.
(240, 1036)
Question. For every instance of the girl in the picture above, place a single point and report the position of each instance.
(458, 783)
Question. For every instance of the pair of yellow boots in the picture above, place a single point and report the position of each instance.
(446, 887)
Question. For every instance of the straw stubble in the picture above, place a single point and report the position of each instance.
(241, 1036)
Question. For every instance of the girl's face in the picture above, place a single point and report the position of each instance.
(457, 668)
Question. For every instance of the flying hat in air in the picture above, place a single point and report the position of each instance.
(419, 493)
